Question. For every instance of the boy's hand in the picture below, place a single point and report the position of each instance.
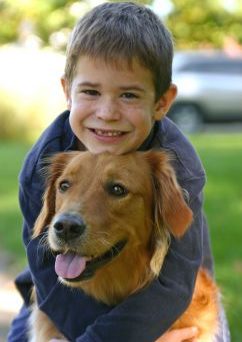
(179, 335)
(176, 335)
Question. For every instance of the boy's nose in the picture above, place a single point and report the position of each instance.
(108, 110)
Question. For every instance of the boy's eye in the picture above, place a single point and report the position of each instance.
(129, 95)
(90, 92)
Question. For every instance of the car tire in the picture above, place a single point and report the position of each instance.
(187, 117)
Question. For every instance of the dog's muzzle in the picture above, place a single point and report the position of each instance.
(74, 267)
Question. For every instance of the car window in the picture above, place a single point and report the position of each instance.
(214, 66)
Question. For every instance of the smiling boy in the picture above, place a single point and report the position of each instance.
(113, 108)
(118, 88)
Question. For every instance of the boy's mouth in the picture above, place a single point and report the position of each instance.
(107, 133)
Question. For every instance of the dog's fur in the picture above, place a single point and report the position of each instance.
(145, 214)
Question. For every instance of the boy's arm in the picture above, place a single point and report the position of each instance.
(18, 331)
(141, 317)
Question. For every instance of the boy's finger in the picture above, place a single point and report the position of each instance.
(186, 333)
(179, 335)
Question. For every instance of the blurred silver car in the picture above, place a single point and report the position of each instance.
(209, 89)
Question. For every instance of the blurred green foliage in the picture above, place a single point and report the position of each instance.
(192, 22)
(207, 24)
(43, 17)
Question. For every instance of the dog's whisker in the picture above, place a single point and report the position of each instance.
(44, 245)
(102, 242)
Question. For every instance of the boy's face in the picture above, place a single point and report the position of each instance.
(113, 108)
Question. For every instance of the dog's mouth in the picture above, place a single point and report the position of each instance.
(73, 267)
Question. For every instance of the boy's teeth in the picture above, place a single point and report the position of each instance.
(108, 133)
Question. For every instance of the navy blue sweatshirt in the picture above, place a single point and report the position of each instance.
(143, 316)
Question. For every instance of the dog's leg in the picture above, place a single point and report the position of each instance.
(41, 327)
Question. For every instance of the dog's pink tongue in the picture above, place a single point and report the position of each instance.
(69, 265)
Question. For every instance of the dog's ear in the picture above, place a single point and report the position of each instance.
(56, 165)
(171, 209)
(171, 213)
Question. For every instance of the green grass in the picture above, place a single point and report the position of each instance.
(222, 157)
(11, 157)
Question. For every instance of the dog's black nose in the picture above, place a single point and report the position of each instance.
(68, 226)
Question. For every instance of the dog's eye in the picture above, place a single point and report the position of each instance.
(64, 186)
(116, 189)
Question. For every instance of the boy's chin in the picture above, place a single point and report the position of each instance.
(113, 149)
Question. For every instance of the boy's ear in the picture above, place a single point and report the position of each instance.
(164, 102)
(66, 89)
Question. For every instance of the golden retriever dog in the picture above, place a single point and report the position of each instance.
(106, 214)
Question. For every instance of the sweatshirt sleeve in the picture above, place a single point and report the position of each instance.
(18, 331)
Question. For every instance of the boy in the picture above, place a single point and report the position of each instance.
(118, 88)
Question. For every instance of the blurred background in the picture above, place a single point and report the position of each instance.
(208, 72)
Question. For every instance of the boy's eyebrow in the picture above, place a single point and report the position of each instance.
(88, 84)
(132, 87)
(123, 88)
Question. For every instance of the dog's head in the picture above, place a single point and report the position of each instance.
(99, 206)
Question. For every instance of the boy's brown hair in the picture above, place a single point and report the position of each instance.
(123, 32)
